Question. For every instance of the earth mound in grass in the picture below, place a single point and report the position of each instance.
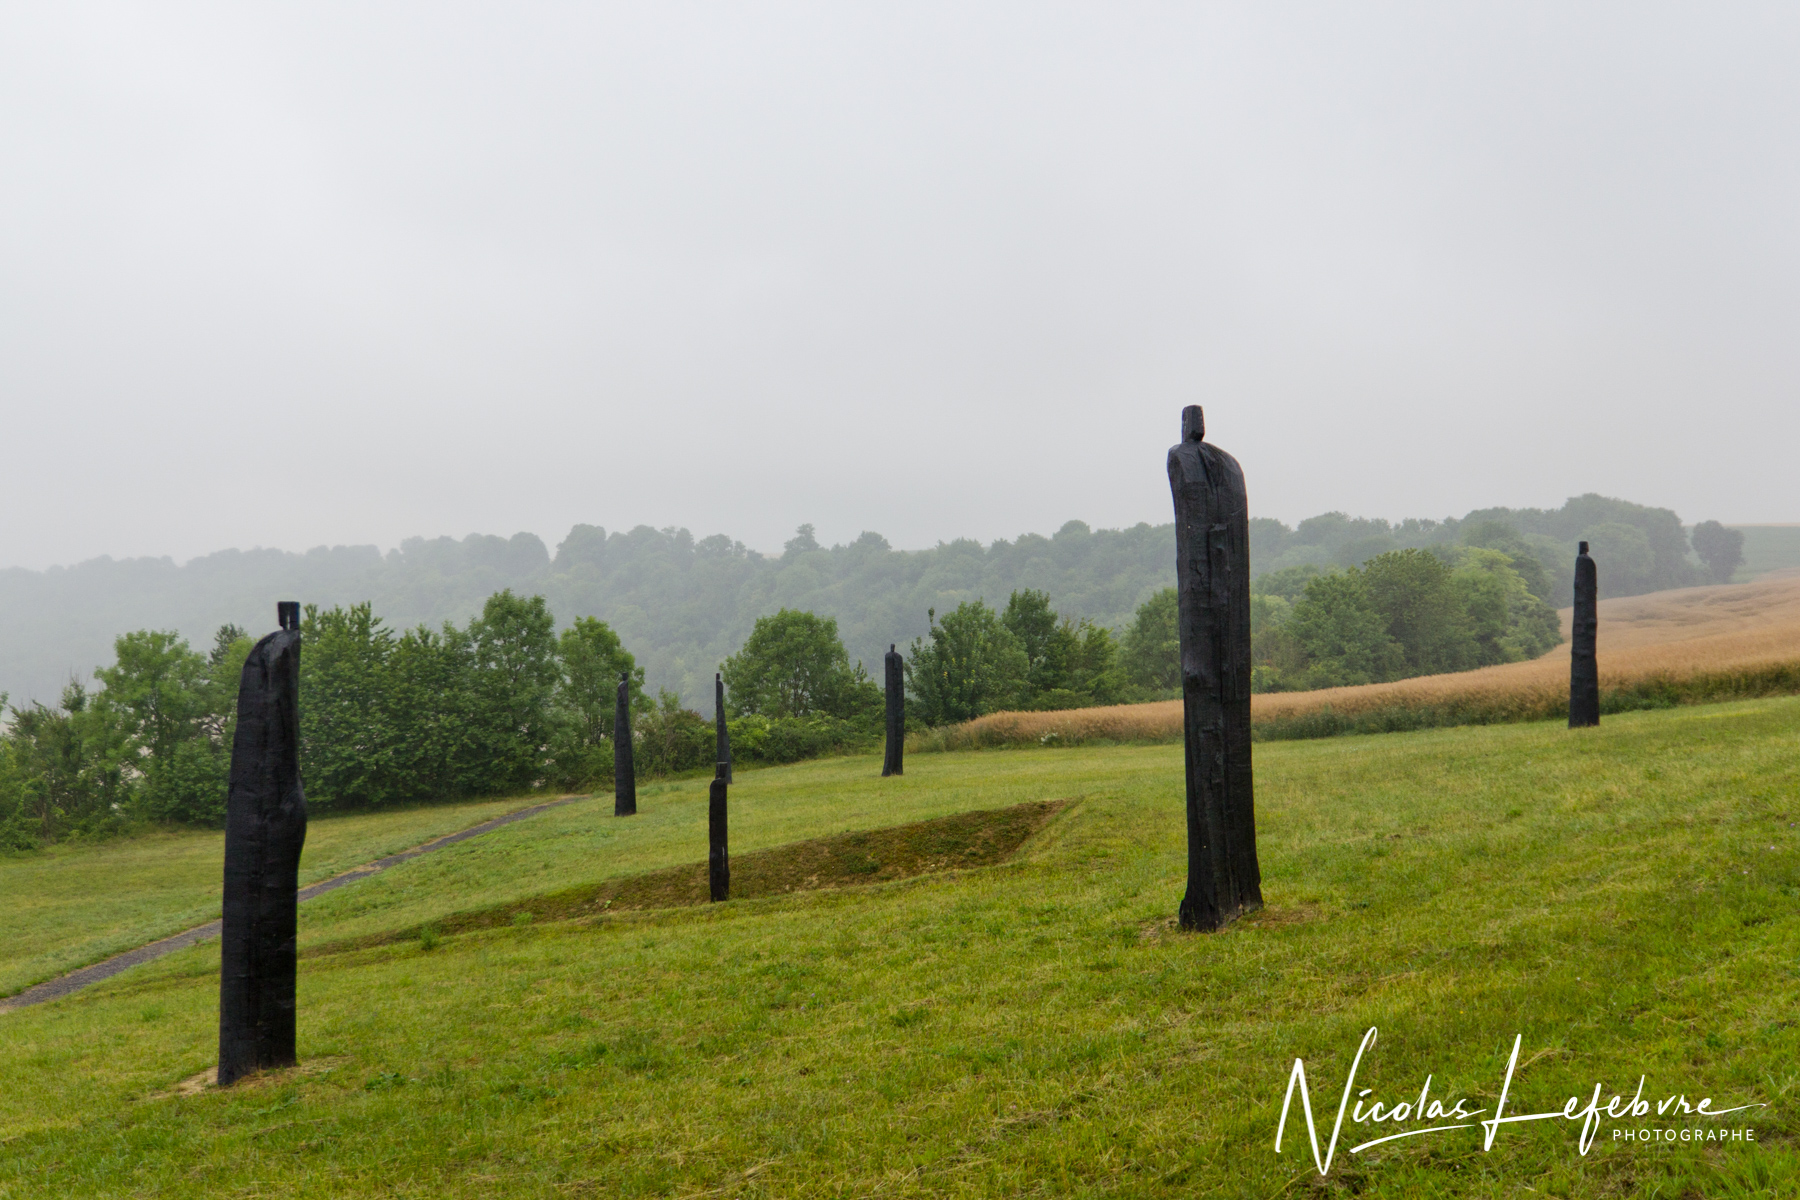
(959, 842)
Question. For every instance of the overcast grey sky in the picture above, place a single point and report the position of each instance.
(286, 275)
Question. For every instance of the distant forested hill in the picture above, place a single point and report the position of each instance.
(682, 605)
(1638, 549)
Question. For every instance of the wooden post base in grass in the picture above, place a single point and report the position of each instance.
(265, 828)
(1212, 563)
(624, 770)
(896, 712)
(1584, 665)
(718, 856)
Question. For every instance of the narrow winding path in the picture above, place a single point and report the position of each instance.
(74, 981)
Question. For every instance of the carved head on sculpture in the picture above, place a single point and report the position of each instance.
(1583, 548)
(1193, 424)
(287, 614)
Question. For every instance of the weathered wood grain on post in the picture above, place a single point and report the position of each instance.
(1212, 548)
(265, 828)
(624, 770)
(1584, 665)
(896, 713)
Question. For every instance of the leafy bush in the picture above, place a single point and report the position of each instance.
(670, 739)
(1401, 614)
(1150, 651)
(775, 740)
(793, 664)
(970, 665)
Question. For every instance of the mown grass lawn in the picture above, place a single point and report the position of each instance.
(81, 902)
(1626, 899)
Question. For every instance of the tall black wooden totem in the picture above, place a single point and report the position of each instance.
(265, 827)
(624, 771)
(1584, 666)
(896, 712)
(724, 734)
(1212, 563)
(718, 856)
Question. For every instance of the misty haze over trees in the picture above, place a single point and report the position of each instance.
(682, 605)
(506, 703)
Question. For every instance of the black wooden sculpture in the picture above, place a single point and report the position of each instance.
(896, 713)
(624, 771)
(265, 827)
(1584, 667)
(718, 856)
(1212, 563)
(724, 734)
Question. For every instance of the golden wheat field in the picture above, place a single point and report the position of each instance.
(1682, 646)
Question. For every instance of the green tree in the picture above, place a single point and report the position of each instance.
(1422, 610)
(60, 769)
(793, 664)
(1721, 549)
(669, 739)
(970, 665)
(1150, 652)
(1277, 661)
(16, 831)
(1050, 647)
(1069, 663)
(1289, 583)
(438, 750)
(224, 672)
(225, 642)
(591, 659)
(1342, 635)
(516, 671)
(1626, 561)
(165, 702)
(1508, 622)
(1498, 535)
(1094, 673)
(157, 689)
(351, 729)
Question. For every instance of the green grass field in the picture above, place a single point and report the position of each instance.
(1626, 899)
(75, 904)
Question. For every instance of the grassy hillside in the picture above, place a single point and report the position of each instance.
(161, 883)
(1627, 899)
(78, 903)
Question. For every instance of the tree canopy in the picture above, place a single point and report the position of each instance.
(793, 664)
(683, 603)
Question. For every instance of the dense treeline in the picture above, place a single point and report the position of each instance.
(1644, 549)
(683, 604)
(508, 702)
(153, 743)
(976, 661)
(1400, 614)
(503, 704)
